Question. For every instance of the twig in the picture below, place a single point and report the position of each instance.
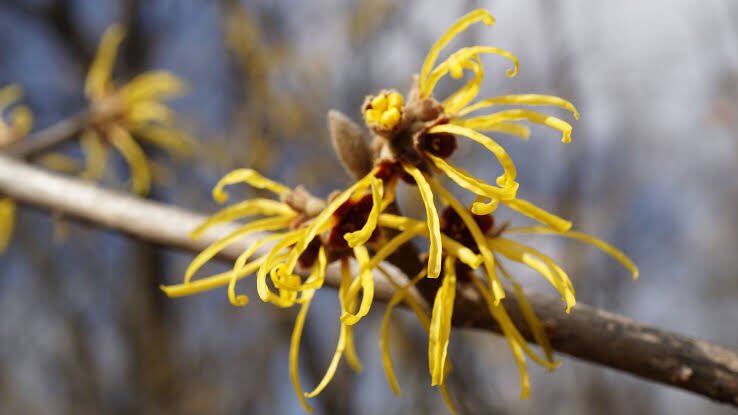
(50, 137)
(587, 333)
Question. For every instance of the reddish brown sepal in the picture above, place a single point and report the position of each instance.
(440, 145)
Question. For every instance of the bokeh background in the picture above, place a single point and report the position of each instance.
(653, 168)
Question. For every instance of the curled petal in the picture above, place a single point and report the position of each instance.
(241, 210)
(469, 91)
(603, 246)
(362, 235)
(458, 27)
(440, 325)
(366, 281)
(434, 226)
(484, 122)
(522, 99)
(269, 224)
(250, 177)
(455, 63)
(471, 183)
(508, 178)
(270, 263)
(211, 282)
(540, 263)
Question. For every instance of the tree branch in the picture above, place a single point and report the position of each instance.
(38, 143)
(587, 333)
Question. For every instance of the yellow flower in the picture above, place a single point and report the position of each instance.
(420, 133)
(478, 234)
(18, 125)
(413, 139)
(306, 233)
(135, 109)
(20, 117)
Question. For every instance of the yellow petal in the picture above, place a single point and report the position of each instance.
(484, 208)
(469, 91)
(471, 183)
(458, 27)
(241, 210)
(398, 297)
(522, 99)
(9, 94)
(134, 157)
(95, 156)
(402, 295)
(21, 120)
(331, 371)
(479, 238)
(532, 211)
(540, 263)
(491, 145)
(535, 325)
(434, 226)
(100, 75)
(440, 326)
(175, 142)
(483, 122)
(410, 226)
(362, 235)
(456, 61)
(269, 224)
(211, 282)
(305, 299)
(323, 220)
(270, 265)
(583, 237)
(250, 177)
(510, 128)
(153, 85)
(7, 222)
(389, 247)
(366, 281)
(148, 111)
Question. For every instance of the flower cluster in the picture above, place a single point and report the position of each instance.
(117, 117)
(135, 109)
(413, 139)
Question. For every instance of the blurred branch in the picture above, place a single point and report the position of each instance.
(587, 333)
(50, 137)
